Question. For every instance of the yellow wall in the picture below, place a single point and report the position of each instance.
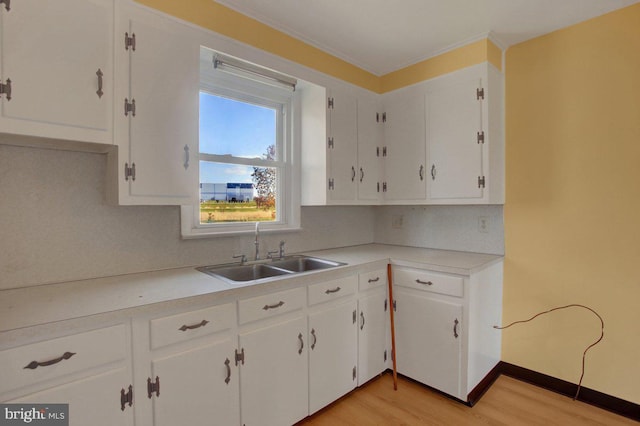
(216, 17)
(572, 212)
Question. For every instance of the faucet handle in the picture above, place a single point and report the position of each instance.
(271, 253)
(242, 257)
(281, 249)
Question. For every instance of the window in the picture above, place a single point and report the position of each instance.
(246, 164)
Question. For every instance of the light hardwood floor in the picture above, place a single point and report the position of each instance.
(508, 402)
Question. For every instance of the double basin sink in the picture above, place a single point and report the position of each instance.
(263, 271)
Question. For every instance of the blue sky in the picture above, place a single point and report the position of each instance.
(236, 128)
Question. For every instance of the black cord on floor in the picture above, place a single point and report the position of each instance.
(584, 354)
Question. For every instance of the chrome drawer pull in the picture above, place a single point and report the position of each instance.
(301, 344)
(315, 338)
(455, 328)
(193, 327)
(335, 290)
(374, 280)
(424, 282)
(35, 364)
(277, 305)
(228, 378)
(362, 316)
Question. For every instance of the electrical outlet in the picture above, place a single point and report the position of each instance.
(483, 224)
(397, 221)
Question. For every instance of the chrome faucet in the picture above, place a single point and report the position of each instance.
(281, 249)
(257, 242)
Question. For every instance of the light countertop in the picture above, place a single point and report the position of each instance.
(30, 306)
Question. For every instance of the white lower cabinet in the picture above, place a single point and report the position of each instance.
(333, 337)
(372, 325)
(273, 374)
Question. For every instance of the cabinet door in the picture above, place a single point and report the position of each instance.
(343, 148)
(161, 138)
(369, 145)
(199, 386)
(274, 376)
(371, 336)
(428, 341)
(93, 400)
(454, 118)
(404, 133)
(53, 51)
(333, 338)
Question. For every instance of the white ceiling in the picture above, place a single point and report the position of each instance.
(381, 36)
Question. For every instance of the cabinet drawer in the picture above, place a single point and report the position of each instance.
(372, 279)
(36, 363)
(330, 290)
(189, 325)
(434, 282)
(270, 305)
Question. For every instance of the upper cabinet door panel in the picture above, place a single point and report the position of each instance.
(454, 119)
(343, 149)
(164, 131)
(54, 52)
(369, 143)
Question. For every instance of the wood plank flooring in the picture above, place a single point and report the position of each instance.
(508, 402)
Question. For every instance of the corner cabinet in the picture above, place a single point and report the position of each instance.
(444, 327)
(156, 111)
(465, 138)
(56, 69)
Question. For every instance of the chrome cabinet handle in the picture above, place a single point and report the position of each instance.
(455, 328)
(362, 317)
(35, 364)
(361, 174)
(301, 344)
(315, 338)
(194, 326)
(353, 173)
(424, 282)
(374, 280)
(335, 290)
(433, 172)
(277, 305)
(99, 92)
(421, 172)
(228, 378)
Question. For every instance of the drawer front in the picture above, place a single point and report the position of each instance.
(331, 290)
(189, 325)
(373, 279)
(435, 282)
(36, 363)
(270, 305)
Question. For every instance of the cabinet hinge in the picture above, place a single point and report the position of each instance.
(395, 306)
(355, 316)
(330, 103)
(481, 182)
(332, 184)
(384, 117)
(480, 93)
(385, 355)
(5, 89)
(330, 143)
(481, 136)
(153, 387)
(129, 171)
(384, 151)
(377, 117)
(384, 186)
(386, 305)
(378, 185)
(126, 398)
(7, 4)
(240, 356)
(354, 373)
(129, 107)
(130, 41)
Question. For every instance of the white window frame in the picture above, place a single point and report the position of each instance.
(287, 152)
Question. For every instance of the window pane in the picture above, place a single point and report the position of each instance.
(232, 127)
(237, 193)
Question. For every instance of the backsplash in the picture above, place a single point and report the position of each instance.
(55, 225)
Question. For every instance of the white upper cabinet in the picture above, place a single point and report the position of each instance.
(404, 150)
(56, 59)
(156, 122)
(343, 146)
(369, 146)
(464, 137)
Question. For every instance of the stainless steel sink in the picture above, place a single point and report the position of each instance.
(304, 263)
(264, 271)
